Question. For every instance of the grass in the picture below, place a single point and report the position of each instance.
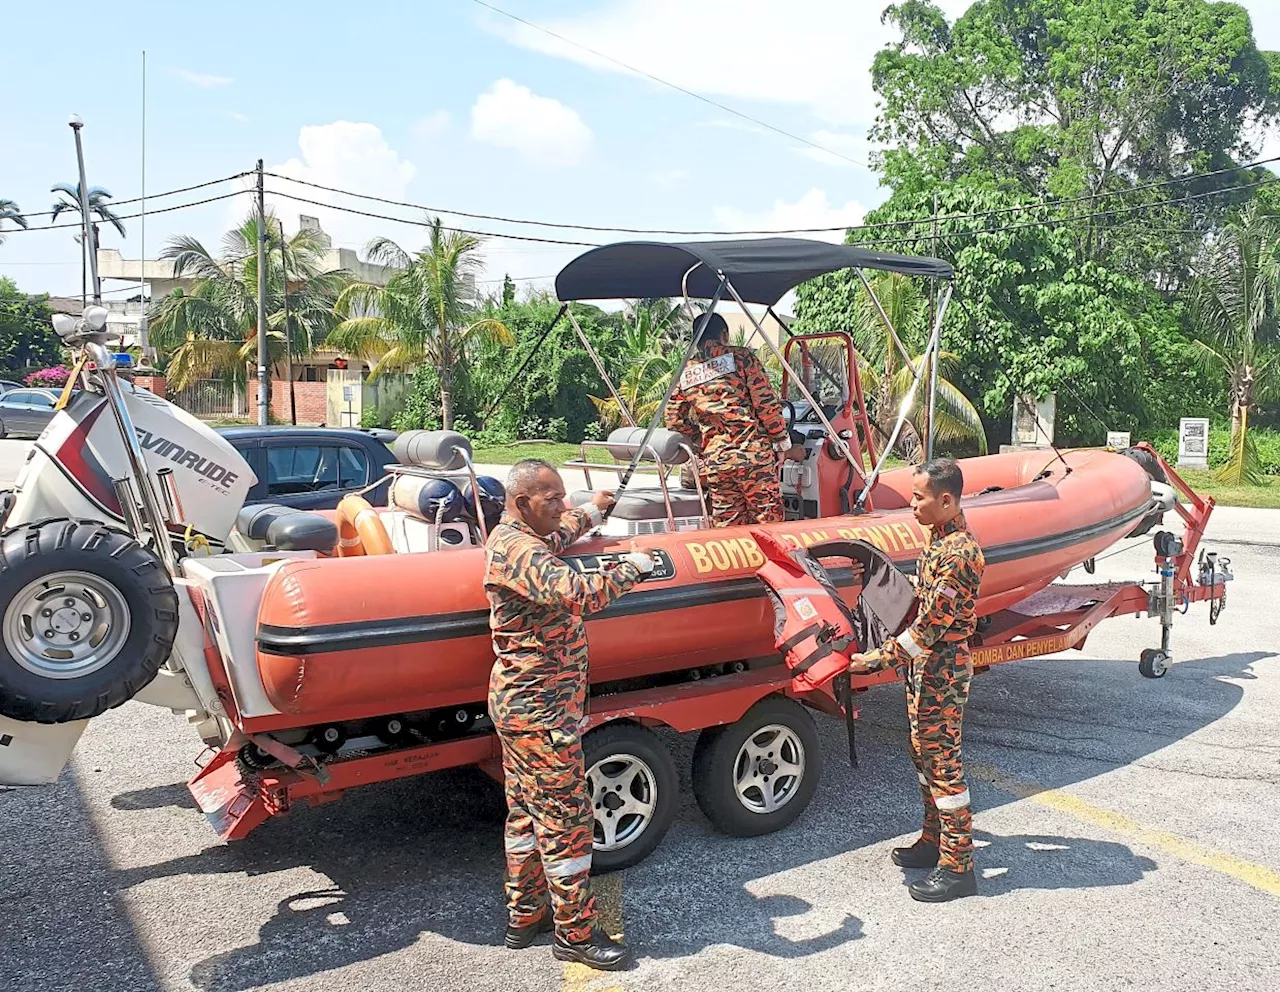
(1204, 482)
(556, 454)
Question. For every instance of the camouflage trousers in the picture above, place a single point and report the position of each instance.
(548, 831)
(937, 687)
(741, 496)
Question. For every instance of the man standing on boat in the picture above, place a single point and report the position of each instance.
(725, 399)
(932, 658)
(537, 701)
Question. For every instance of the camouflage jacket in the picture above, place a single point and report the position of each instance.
(536, 607)
(947, 578)
(724, 401)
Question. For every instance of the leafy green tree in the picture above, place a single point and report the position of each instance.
(98, 206)
(10, 211)
(26, 334)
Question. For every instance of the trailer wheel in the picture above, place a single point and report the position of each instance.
(89, 616)
(1156, 474)
(1153, 663)
(633, 787)
(757, 775)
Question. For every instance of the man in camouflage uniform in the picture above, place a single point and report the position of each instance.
(725, 400)
(932, 658)
(537, 700)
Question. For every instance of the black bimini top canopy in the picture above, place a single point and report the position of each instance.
(761, 270)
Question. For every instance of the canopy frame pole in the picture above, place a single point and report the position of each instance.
(502, 394)
(671, 386)
(893, 333)
(907, 400)
(832, 434)
(622, 407)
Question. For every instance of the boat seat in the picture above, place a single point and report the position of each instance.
(647, 504)
(286, 528)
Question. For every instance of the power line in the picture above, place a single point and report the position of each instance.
(147, 213)
(423, 223)
(149, 196)
(668, 83)
(883, 225)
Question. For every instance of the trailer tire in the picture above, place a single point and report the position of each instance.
(610, 753)
(112, 615)
(736, 778)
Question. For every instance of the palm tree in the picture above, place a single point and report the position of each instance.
(887, 377)
(423, 314)
(9, 210)
(213, 330)
(1236, 307)
(654, 333)
(98, 204)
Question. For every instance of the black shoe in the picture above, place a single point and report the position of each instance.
(518, 938)
(921, 854)
(943, 885)
(598, 951)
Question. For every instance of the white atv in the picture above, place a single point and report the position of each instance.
(119, 487)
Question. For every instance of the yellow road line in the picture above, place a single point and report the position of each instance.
(1257, 876)
(608, 893)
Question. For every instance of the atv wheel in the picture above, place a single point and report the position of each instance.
(89, 617)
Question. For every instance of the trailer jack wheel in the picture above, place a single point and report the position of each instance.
(757, 775)
(1153, 663)
(633, 789)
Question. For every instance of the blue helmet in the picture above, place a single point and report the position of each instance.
(493, 497)
(439, 500)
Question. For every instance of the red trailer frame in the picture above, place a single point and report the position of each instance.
(1055, 619)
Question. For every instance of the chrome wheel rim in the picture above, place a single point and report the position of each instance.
(769, 769)
(66, 625)
(624, 794)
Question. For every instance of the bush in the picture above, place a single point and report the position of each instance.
(50, 378)
(1266, 441)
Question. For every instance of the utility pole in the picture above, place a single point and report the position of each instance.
(264, 389)
(90, 243)
(932, 371)
(288, 340)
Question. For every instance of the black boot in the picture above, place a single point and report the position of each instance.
(943, 885)
(921, 854)
(599, 951)
(519, 938)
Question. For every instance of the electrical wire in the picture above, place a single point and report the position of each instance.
(668, 83)
(146, 213)
(149, 196)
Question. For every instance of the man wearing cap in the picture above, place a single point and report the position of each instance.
(725, 399)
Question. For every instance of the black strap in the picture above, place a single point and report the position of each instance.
(800, 635)
(823, 652)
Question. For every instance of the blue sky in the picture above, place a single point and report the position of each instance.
(447, 104)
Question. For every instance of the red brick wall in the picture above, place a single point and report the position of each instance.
(308, 398)
(153, 383)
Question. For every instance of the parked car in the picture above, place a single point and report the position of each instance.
(26, 411)
(312, 468)
(8, 384)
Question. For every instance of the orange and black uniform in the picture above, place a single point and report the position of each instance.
(537, 701)
(932, 657)
(726, 400)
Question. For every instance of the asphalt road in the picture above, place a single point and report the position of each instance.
(1127, 830)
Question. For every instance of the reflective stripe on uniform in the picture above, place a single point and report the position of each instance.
(949, 803)
(566, 867)
(520, 845)
(909, 645)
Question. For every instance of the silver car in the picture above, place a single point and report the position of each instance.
(26, 411)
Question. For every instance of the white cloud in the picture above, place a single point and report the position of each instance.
(836, 149)
(431, 126)
(812, 54)
(350, 156)
(813, 210)
(539, 129)
(203, 80)
(237, 116)
(669, 177)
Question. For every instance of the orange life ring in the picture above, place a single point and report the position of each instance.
(360, 529)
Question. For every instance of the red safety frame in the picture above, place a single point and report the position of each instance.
(1056, 619)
